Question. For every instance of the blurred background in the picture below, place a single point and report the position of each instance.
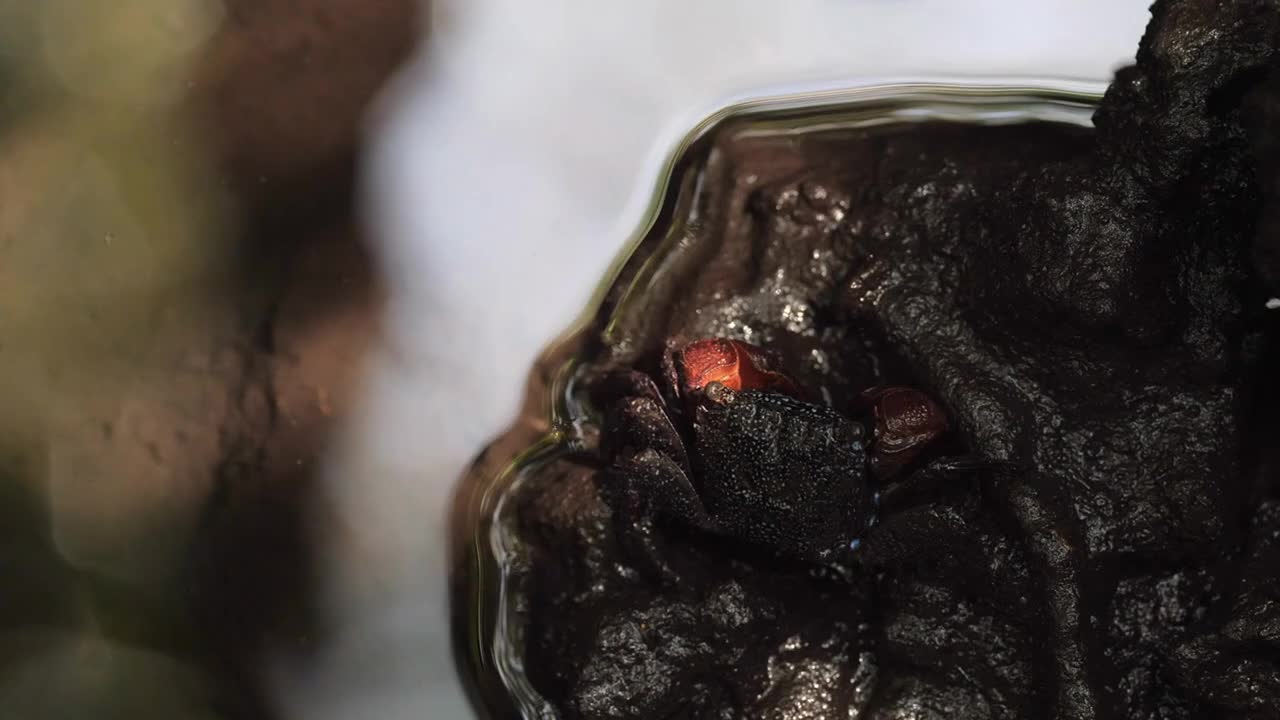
(273, 271)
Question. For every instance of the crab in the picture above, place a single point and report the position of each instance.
(725, 443)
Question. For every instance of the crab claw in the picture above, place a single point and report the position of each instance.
(906, 420)
(731, 363)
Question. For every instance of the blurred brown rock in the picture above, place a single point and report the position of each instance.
(179, 370)
(285, 83)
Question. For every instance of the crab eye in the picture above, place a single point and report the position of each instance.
(719, 393)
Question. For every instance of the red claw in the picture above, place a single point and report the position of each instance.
(906, 421)
(734, 364)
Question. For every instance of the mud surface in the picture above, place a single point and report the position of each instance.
(1089, 307)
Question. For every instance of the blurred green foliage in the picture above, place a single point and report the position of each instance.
(111, 248)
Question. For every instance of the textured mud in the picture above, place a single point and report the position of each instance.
(1087, 305)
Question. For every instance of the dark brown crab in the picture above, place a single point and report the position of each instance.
(730, 446)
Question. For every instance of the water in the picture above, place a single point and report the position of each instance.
(488, 604)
